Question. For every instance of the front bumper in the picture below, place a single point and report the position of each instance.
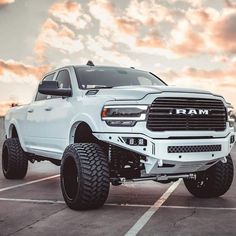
(187, 156)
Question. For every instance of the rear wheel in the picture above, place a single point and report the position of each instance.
(85, 178)
(14, 161)
(213, 182)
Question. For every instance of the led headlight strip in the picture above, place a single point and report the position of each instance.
(124, 112)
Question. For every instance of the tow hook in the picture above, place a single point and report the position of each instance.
(224, 160)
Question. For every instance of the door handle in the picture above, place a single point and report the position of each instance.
(30, 110)
(48, 109)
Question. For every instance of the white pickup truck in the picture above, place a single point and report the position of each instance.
(111, 125)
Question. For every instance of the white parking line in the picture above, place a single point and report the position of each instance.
(118, 205)
(142, 221)
(201, 208)
(31, 200)
(127, 205)
(27, 183)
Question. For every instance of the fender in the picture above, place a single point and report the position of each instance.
(76, 121)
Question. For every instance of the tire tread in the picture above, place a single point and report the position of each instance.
(94, 175)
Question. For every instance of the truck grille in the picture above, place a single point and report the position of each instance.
(195, 148)
(163, 114)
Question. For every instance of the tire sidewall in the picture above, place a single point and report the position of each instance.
(5, 148)
(17, 161)
(71, 153)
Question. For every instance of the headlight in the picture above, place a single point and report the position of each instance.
(123, 115)
(231, 116)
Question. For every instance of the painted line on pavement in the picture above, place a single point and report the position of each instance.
(201, 208)
(31, 200)
(28, 183)
(23, 200)
(142, 221)
(127, 205)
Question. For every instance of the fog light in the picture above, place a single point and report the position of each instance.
(141, 141)
(232, 139)
(131, 141)
(134, 141)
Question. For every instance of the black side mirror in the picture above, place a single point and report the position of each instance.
(52, 88)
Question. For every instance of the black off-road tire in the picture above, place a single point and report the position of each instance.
(213, 182)
(14, 161)
(85, 180)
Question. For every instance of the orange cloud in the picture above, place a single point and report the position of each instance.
(21, 69)
(193, 31)
(220, 81)
(185, 41)
(200, 16)
(223, 32)
(127, 26)
(3, 2)
(54, 35)
(230, 4)
(71, 13)
(195, 3)
(106, 51)
(18, 82)
(150, 41)
(211, 74)
(150, 13)
(204, 30)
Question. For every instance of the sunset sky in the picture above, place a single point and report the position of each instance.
(190, 43)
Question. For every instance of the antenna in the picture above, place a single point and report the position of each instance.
(90, 63)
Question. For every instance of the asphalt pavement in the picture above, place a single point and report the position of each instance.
(35, 206)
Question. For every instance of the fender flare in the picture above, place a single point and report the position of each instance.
(76, 121)
(13, 123)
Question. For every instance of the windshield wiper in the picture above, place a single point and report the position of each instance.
(102, 87)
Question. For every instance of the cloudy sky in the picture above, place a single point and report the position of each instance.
(190, 43)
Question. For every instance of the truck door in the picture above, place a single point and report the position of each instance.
(36, 122)
(57, 112)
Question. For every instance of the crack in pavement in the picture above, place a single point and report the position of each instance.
(185, 217)
(35, 222)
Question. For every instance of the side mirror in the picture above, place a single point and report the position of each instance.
(52, 88)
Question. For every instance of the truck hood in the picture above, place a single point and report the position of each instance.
(138, 92)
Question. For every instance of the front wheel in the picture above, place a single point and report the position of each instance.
(85, 180)
(212, 182)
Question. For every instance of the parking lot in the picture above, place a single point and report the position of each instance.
(34, 206)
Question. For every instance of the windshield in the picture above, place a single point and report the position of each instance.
(106, 77)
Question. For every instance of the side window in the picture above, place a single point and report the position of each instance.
(41, 96)
(63, 79)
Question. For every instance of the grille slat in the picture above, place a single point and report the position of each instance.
(161, 116)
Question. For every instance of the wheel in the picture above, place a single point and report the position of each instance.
(14, 161)
(213, 182)
(85, 180)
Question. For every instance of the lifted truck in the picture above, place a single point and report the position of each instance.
(111, 125)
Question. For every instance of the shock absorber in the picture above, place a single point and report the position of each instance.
(114, 160)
